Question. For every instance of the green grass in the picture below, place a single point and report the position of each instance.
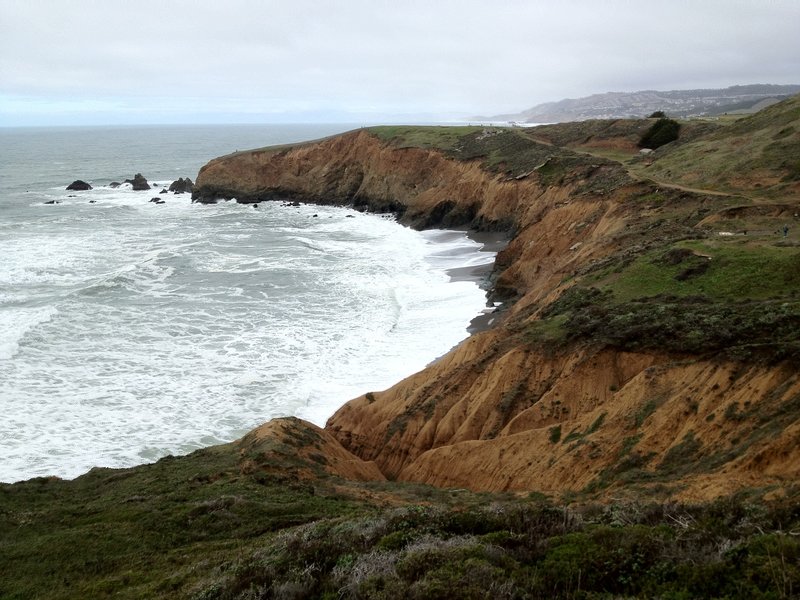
(445, 138)
(756, 154)
(546, 331)
(725, 270)
(501, 150)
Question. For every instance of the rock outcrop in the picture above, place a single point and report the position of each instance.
(530, 406)
(138, 183)
(181, 186)
(358, 169)
(79, 186)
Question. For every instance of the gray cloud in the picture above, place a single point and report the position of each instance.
(156, 61)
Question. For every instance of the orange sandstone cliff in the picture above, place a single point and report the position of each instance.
(634, 353)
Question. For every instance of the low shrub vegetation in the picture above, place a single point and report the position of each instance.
(766, 329)
(527, 550)
(198, 527)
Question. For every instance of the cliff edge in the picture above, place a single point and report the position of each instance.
(651, 339)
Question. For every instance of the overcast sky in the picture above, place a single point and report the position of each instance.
(247, 61)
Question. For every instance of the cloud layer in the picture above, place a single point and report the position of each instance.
(250, 61)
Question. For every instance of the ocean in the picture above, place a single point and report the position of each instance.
(131, 330)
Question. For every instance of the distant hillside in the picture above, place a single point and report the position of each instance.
(677, 103)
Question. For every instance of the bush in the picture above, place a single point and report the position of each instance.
(661, 132)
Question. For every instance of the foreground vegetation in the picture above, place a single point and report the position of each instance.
(202, 527)
(529, 550)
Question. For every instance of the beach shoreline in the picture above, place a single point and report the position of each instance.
(492, 242)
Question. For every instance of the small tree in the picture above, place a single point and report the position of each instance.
(661, 132)
(659, 114)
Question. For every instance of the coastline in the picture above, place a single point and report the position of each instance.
(479, 269)
(476, 266)
(493, 242)
(576, 417)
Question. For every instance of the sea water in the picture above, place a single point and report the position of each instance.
(130, 330)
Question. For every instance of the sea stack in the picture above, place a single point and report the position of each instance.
(138, 182)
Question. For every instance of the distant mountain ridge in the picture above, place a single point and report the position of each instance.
(676, 103)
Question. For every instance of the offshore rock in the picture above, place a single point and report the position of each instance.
(139, 183)
(79, 186)
(181, 185)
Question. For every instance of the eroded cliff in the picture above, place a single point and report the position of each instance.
(636, 354)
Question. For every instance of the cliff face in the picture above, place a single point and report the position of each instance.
(517, 419)
(422, 186)
(532, 405)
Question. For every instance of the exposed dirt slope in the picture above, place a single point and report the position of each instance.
(537, 403)
(291, 445)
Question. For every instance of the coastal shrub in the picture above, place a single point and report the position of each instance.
(661, 132)
(483, 548)
(766, 330)
(598, 422)
(659, 114)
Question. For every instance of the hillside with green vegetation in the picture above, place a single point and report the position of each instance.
(758, 155)
(696, 297)
(499, 149)
(730, 283)
(204, 527)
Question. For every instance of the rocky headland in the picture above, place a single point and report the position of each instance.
(628, 427)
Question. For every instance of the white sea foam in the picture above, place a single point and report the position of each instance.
(16, 323)
(131, 330)
(182, 329)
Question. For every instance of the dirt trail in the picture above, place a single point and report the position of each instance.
(683, 188)
(639, 176)
(636, 175)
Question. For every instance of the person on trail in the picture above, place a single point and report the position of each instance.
(785, 230)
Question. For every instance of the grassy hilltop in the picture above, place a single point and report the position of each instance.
(688, 268)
